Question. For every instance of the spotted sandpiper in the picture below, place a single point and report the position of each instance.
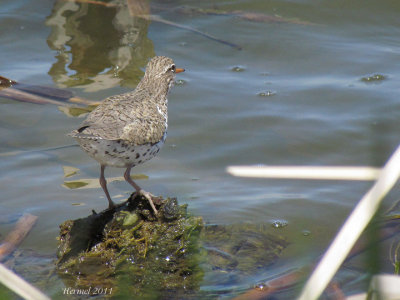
(128, 129)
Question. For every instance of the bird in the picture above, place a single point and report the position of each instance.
(128, 129)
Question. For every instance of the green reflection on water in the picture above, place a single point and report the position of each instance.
(97, 46)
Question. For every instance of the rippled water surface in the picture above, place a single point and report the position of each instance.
(315, 83)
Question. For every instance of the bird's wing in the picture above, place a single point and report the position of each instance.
(144, 130)
(130, 122)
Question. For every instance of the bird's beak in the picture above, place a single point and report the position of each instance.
(179, 70)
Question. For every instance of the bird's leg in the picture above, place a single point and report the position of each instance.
(103, 184)
(139, 190)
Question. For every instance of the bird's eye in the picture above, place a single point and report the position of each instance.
(172, 68)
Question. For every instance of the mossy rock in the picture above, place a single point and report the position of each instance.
(129, 250)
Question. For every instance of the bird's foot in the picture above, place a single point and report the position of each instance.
(111, 204)
(150, 197)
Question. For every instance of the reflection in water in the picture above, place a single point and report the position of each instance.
(99, 46)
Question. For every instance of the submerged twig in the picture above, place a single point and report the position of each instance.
(244, 15)
(335, 291)
(93, 2)
(22, 96)
(39, 94)
(272, 286)
(15, 237)
(156, 18)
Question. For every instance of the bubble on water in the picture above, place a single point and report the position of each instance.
(306, 232)
(115, 71)
(260, 286)
(374, 78)
(266, 93)
(238, 69)
(279, 223)
(180, 82)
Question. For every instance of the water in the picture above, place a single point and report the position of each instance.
(296, 94)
